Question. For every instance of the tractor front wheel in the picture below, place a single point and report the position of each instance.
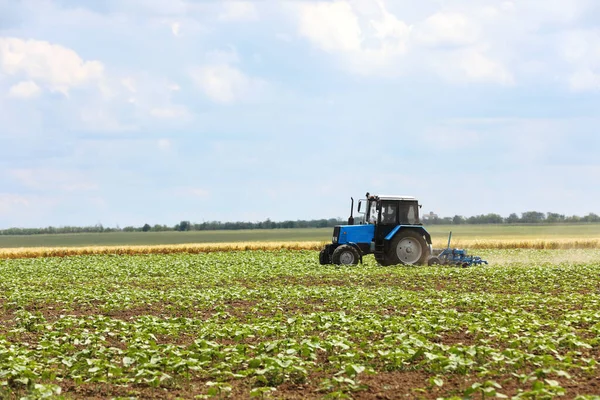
(408, 247)
(345, 255)
(324, 258)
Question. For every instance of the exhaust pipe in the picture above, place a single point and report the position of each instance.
(351, 219)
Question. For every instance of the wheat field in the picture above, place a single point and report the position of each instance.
(475, 244)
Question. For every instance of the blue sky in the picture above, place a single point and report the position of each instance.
(133, 111)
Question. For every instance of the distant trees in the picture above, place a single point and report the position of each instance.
(554, 218)
(513, 219)
(532, 217)
(183, 226)
(528, 217)
(458, 220)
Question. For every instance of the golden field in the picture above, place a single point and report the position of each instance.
(489, 244)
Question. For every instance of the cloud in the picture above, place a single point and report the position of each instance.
(368, 40)
(331, 26)
(24, 90)
(371, 40)
(475, 66)
(129, 84)
(164, 144)
(48, 179)
(176, 28)
(447, 29)
(224, 83)
(584, 79)
(235, 11)
(581, 51)
(9, 202)
(95, 100)
(57, 67)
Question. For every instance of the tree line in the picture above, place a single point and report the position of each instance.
(180, 227)
(529, 217)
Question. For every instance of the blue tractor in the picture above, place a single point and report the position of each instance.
(388, 227)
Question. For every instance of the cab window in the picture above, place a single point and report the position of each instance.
(389, 213)
(413, 216)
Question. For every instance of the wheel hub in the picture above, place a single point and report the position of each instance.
(347, 258)
(409, 251)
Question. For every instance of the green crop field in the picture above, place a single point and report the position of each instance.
(439, 232)
(278, 325)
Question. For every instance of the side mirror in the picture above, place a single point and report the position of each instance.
(359, 205)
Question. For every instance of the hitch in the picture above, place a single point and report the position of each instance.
(458, 257)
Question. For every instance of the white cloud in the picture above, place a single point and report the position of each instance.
(58, 67)
(52, 179)
(9, 202)
(581, 50)
(176, 28)
(584, 79)
(129, 84)
(234, 11)
(331, 26)
(164, 144)
(368, 39)
(24, 90)
(480, 68)
(369, 43)
(447, 29)
(224, 83)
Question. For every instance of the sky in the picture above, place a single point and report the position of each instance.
(125, 112)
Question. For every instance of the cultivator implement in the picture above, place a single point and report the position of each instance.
(457, 257)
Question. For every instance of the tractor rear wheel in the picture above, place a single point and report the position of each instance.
(345, 255)
(408, 247)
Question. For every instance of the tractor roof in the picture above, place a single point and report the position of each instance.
(388, 197)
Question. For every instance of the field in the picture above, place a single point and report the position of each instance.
(278, 325)
(464, 233)
(584, 236)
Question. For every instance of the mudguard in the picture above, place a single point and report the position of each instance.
(418, 228)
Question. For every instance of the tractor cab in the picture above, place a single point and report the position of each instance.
(388, 227)
(390, 210)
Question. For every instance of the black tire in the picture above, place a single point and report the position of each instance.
(324, 258)
(434, 261)
(408, 247)
(345, 255)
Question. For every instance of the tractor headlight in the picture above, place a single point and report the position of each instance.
(335, 239)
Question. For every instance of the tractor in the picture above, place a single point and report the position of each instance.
(389, 228)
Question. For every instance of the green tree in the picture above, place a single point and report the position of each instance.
(554, 218)
(533, 217)
(513, 219)
(458, 220)
(183, 226)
